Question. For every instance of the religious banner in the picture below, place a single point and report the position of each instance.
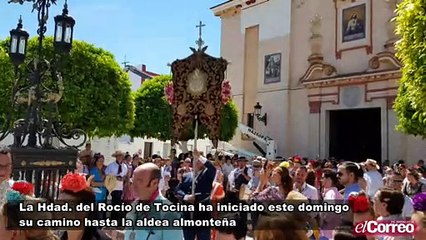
(198, 94)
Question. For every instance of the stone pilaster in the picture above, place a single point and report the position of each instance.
(316, 40)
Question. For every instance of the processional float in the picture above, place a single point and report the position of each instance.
(197, 95)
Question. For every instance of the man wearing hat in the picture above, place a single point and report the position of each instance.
(256, 167)
(119, 170)
(240, 175)
(372, 177)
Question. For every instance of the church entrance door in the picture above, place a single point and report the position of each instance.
(355, 135)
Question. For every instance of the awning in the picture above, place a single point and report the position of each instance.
(231, 150)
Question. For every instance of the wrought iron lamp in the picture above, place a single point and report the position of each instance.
(64, 30)
(35, 156)
(18, 43)
(258, 113)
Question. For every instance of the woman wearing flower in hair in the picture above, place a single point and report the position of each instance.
(419, 216)
(361, 208)
(23, 192)
(75, 189)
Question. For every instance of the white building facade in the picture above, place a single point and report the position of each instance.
(326, 82)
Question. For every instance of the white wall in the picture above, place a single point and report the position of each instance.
(272, 16)
(108, 145)
(135, 79)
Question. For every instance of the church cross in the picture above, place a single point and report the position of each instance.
(125, 63)
(200, 41)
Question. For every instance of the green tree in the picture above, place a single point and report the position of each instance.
(154, 116)
(97, 92)
(410, 103)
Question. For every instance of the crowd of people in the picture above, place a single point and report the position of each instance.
(373, 191)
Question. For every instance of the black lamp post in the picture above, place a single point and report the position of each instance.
(258, 112)
(35, 157)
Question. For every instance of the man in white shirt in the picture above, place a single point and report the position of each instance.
(372, 177)
(301, 186)
(227, 167)
(119, 170)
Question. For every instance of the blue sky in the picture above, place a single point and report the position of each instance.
(153, 32)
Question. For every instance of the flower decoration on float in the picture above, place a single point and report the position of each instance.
(23, 187)
(226, 92)
(359, 203)
(419, 202)
(169, 93)
(73, 182)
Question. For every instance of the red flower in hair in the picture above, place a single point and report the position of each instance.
(73, 182)
(297, 159)
(359, 203)
(23, 187)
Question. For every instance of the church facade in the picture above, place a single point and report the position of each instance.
(323, 71)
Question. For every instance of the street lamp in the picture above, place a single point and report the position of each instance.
(35, 156)
(18, 44)
(258, 112)
(64, 30)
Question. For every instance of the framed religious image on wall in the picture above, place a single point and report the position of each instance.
(353, 26)
(272, 68)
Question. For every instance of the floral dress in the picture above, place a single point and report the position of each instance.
(271, 193)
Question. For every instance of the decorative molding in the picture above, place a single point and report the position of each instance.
(371, 94)
(384, 57)
(361, 43)
(252, 3)
(324, 70)
(227, 8)
(230, 12)
(333, 95)
(356, 78)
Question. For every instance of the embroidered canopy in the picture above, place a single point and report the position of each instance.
(197, 84)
